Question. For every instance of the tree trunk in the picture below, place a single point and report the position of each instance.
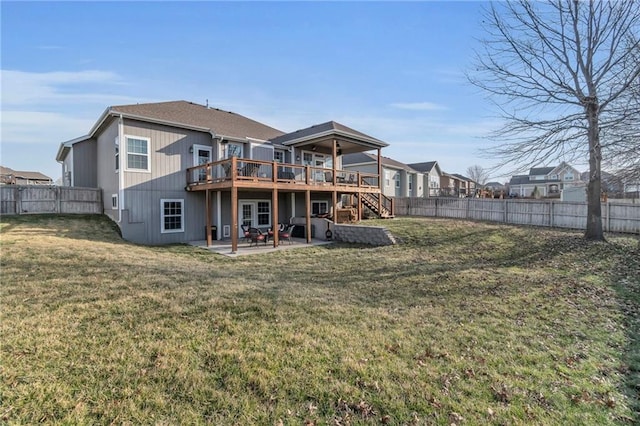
(594, 209)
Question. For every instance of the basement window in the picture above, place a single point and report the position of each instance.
(171, 216)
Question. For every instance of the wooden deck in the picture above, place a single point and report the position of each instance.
(269, 175)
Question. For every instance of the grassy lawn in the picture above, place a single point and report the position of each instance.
(465, 323)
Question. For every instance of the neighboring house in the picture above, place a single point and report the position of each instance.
(467, 186)
(548, 181)
(170, 170)
(15, 177)
(452, 185)
(431, 177)
(398, 179)
(495, 189)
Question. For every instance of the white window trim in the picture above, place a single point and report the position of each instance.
(126, 153)
(230, 143)
(319, 202)
(279, 151)
(255, 203)
(171, 200)
(117, 154)
(114, 206)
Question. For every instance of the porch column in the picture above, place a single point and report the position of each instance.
(234, 219)
(307, 208)
(335, 159)
(335, 206)
(274, 213)
(208, 215)
(380, 181)
(359, 202)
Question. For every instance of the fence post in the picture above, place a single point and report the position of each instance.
(467, 210)
(506, 213)
(608, 216)
(551, 214)
(18, 200)
(59, 197)
(437, 207)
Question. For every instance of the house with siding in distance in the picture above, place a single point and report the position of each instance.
(452, 185)
(9, 176)
(431, 175)
(398, 179)
(548, 181)
(173, 172)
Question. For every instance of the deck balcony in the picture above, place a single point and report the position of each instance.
(257, 174)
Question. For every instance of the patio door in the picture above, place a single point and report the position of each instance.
(254, 214)
(201, 155)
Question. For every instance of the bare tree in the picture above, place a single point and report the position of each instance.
(558, 71)
(478, 174)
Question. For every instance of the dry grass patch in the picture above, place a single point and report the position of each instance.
(462, 323)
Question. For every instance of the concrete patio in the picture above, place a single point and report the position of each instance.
(224, 246)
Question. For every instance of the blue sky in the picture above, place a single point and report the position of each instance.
(392, 70)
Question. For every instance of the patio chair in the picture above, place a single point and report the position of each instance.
(245, 231)
(256, 236)
(286, 233)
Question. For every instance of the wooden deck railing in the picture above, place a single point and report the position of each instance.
(243, 169)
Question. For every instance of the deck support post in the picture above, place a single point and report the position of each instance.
(307, 208)
(208, 215)
(234, 219)
(380, 181)
(275, 215)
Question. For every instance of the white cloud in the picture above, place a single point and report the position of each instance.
(419, 106)
(60, 87)
(28, 127)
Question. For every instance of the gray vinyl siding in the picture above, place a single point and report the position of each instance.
(84, 164)
(169, 157)
(143, 217)
(105, 166)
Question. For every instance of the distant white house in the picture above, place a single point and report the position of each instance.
(547, 181)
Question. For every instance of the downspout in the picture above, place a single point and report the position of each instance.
(120, 168)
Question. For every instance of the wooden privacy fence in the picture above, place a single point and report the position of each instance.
(35, 199)
(616, 217)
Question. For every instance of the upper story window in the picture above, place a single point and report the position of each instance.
(397, 178)
(117, 153)
(410, 181)
(235, 150)
(137, 153)
(386, 178)
(568, 176)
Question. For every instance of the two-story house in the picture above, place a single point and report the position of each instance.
(547, 181)
(398, 179)
(173, 172)
(431, 175)
(452, 185)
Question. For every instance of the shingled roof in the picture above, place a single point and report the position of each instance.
(365, 158)
(424, 167)
(221, 122)
(320, 129)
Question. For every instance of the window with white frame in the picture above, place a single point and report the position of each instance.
(319, 207)
(278, 156)
(568, 176)
(410, 182)
(117, 153)
(397, 179)
(386, 178)
(137, 153)
(171, 215)
(114, 201)
(234, 149)
(264, 213)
